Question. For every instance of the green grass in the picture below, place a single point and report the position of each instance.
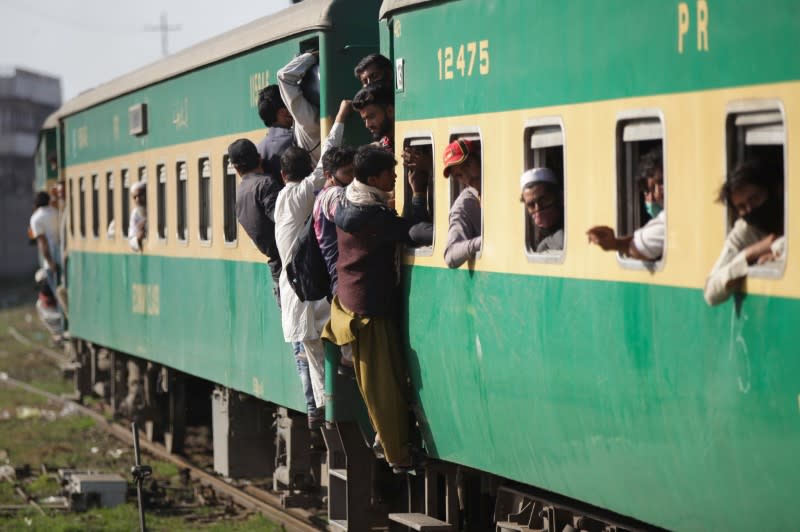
(125, 519)
(74, 441)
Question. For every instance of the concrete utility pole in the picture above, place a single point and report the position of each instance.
(164, 28)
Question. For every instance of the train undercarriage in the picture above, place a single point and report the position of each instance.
(252, 438)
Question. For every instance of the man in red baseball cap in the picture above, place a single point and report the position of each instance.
(462, 161)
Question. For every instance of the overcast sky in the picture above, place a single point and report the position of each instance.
(88, 42)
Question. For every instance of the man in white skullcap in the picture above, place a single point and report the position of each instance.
(543, 196)
(137, 228)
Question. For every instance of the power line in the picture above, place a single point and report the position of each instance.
(164, 28)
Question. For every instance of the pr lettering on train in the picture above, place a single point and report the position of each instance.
(684, 24)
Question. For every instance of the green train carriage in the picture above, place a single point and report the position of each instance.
(600, 378)
(199, 278)
(585, 383)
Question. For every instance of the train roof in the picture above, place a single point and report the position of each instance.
(308, 15)
(51, 121)
(393, 5)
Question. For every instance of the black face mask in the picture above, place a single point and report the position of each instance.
(768, 216)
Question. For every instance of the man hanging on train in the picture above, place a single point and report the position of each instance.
(293, 82)
(647, 242)
(375, 104)
(462, 162)
(543, 197)
(374, 68)
(302, 321)
(280, 135)
(44, 229)
(365, 310)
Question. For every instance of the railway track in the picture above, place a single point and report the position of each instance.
(251, 498)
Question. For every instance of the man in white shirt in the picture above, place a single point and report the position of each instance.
(44, 228)
(647, 242)
(302, 321)
(137, 228)
(304, 113)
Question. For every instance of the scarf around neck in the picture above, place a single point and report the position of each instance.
(359, 193)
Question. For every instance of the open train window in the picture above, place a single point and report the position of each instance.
(110, 205)
(71, 203)
(182, 176)
(126, 202)
(229, 200)
(639, 143)
(82, 206)
(96, 206)
(420, 149)
(204, 191)
(456, 188)
(756, 132)
(142, 178)
(161, 201)
(542, 194)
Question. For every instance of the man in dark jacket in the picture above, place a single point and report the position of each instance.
(255, 203)
(364, 310)
(280, 135)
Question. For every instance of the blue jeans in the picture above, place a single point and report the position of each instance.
(305, 376)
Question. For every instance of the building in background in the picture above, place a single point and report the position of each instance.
(26, 99)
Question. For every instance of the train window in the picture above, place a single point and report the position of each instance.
(71, 203)
(96, 206)
(161, 201)
(182, 177)
(126, 202)
(110, 205)
(640, 144)
(542, 194)
(755, 131)
(420, 155)
(456, 187)
(82, 206)
(204, 172)
(229, 200)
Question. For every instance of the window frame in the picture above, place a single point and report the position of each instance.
(226, 165)
(771, 270)
(82, 206)
(71, 199)
(182, 205)
(162, 234)
(125, 201)
(622, 117)
(421, 251)
(469, 132)
(95, 206)
(208, 241)
(529, 126)
(111, 187)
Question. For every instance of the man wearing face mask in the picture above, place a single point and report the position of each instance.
(647, 242)
(757, 235)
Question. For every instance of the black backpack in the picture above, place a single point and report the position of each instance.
(307, 271)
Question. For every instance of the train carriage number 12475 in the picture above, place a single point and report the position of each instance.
(463, 60)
